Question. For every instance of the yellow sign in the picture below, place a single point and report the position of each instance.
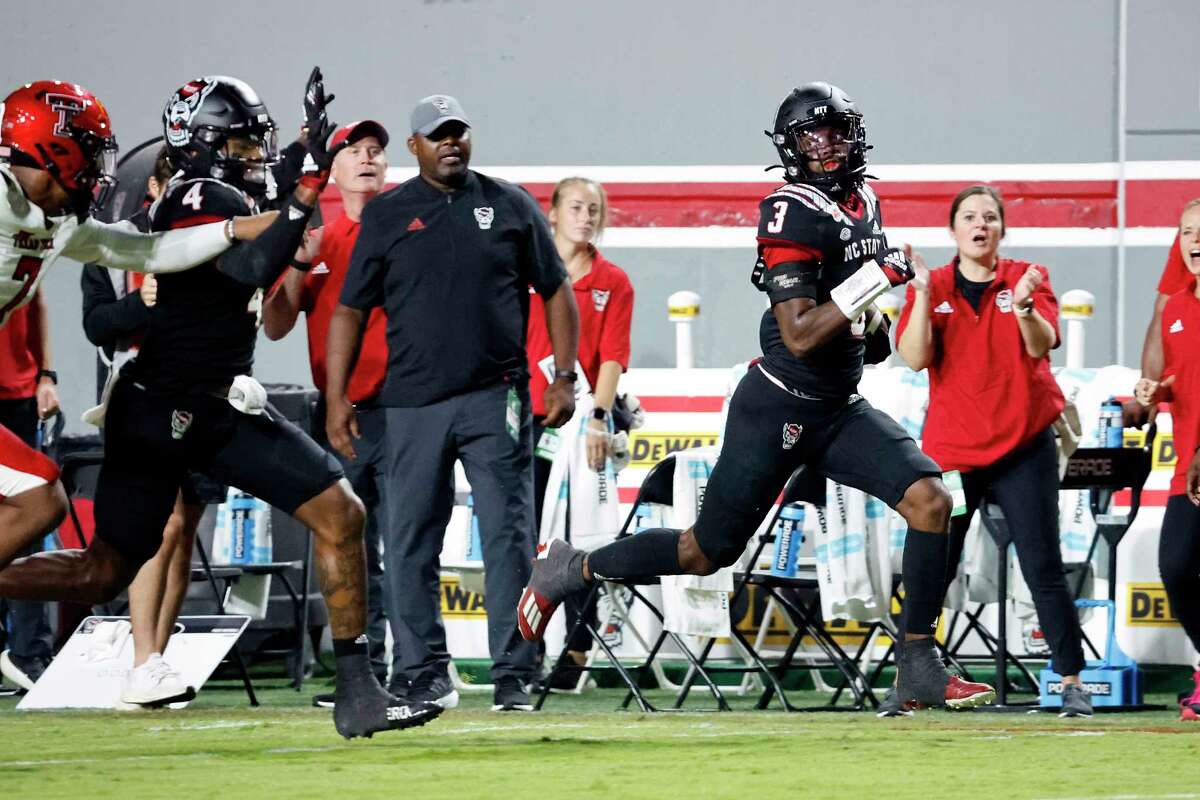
(1148, 607)
(458, 603)
(1164, 447)
(647, 449)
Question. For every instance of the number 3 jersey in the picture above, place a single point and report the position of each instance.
(31, 242)
(807, 244)
(204, 324)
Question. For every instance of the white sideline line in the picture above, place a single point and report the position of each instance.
(720, 238)
(718, 173)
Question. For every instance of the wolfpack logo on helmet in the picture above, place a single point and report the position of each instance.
(182, 108)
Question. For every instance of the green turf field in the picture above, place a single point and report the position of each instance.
(583, 748)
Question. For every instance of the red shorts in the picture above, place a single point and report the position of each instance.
(21, 467)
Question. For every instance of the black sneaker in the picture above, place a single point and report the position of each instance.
(363, 708)
(1076, 702)
(891, 706)
(326, 700)
(24, 672)
(510, 695)
(399, 688)
(433, 687)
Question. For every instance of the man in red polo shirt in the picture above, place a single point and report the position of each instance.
(359, 172)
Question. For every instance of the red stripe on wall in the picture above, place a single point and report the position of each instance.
(682, 405)
(908, 204)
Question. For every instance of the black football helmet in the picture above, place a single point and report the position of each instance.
(199, 122)
(795, 135)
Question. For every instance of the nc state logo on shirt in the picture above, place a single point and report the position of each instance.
(1004, 301)
(484, 216)
(791, 434)
(600, 298)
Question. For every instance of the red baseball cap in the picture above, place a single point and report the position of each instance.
(357, 130)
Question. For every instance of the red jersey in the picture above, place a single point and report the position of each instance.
(987, 396)
(605, 300)
(1175, 276)
(1181, 343)
(18, 368)
(319, 298)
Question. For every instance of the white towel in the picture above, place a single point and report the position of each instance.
(852, 550)
(695, 604)
(592, 496)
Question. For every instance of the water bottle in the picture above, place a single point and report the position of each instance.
(1110, 431)
(789, 534)
(241, 512)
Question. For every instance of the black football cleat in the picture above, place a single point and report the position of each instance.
(367, 709)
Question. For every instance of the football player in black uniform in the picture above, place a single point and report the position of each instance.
(186, 402)
(822, 259)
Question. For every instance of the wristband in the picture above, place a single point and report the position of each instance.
(302, 266)
(599, 413)
(1024, 311)
(48, 373)
(566, 375)
(229, 237)
(854, 294)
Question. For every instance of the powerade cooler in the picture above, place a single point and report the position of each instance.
(1113, 681)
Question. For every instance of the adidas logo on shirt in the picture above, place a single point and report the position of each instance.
(1176, 327)
(321, 269)
(943, 308)
(416, 225)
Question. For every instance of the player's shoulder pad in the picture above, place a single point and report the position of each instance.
(871, 200)
(196, 201)
(794, 207)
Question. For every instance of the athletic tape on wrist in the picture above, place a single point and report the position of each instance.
(854, 294)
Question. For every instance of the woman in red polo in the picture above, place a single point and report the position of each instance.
(984, 327)
(604, 295)
(1179, 543)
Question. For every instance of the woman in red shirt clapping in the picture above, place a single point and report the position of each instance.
(984, 327)
(1179, 544)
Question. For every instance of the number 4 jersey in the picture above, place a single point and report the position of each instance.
(808, 244)
(31, 241)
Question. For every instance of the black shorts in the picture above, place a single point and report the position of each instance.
(151, 442)
(770, 432)
(200, 490)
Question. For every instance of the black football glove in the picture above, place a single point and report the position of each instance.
(318, 128)
(896, 266)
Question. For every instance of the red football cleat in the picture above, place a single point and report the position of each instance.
(557, 572)
(967, 694)
(1189, 707)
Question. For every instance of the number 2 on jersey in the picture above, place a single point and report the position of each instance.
(776, 223)
(26, 271)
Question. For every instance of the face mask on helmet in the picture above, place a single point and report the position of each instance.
(95, 183)
(243, 159)
(827, 151)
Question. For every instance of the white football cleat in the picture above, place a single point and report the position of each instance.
(155, 683)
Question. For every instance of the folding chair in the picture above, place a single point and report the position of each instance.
(657, 488)
(804, 618)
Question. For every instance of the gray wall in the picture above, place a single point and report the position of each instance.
(673, 82)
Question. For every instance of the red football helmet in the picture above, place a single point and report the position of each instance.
(62, 128)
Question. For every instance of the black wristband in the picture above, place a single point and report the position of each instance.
(566, 375)
(48, 373)
(303, 266)
(600, 413)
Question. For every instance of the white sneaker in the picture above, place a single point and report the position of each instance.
(154, 682)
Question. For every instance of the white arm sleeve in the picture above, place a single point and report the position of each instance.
(121, 245)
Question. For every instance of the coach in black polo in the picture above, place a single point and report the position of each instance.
(452, 255)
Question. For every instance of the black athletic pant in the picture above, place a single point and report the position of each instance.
(1179, 563)
(1025, 484)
